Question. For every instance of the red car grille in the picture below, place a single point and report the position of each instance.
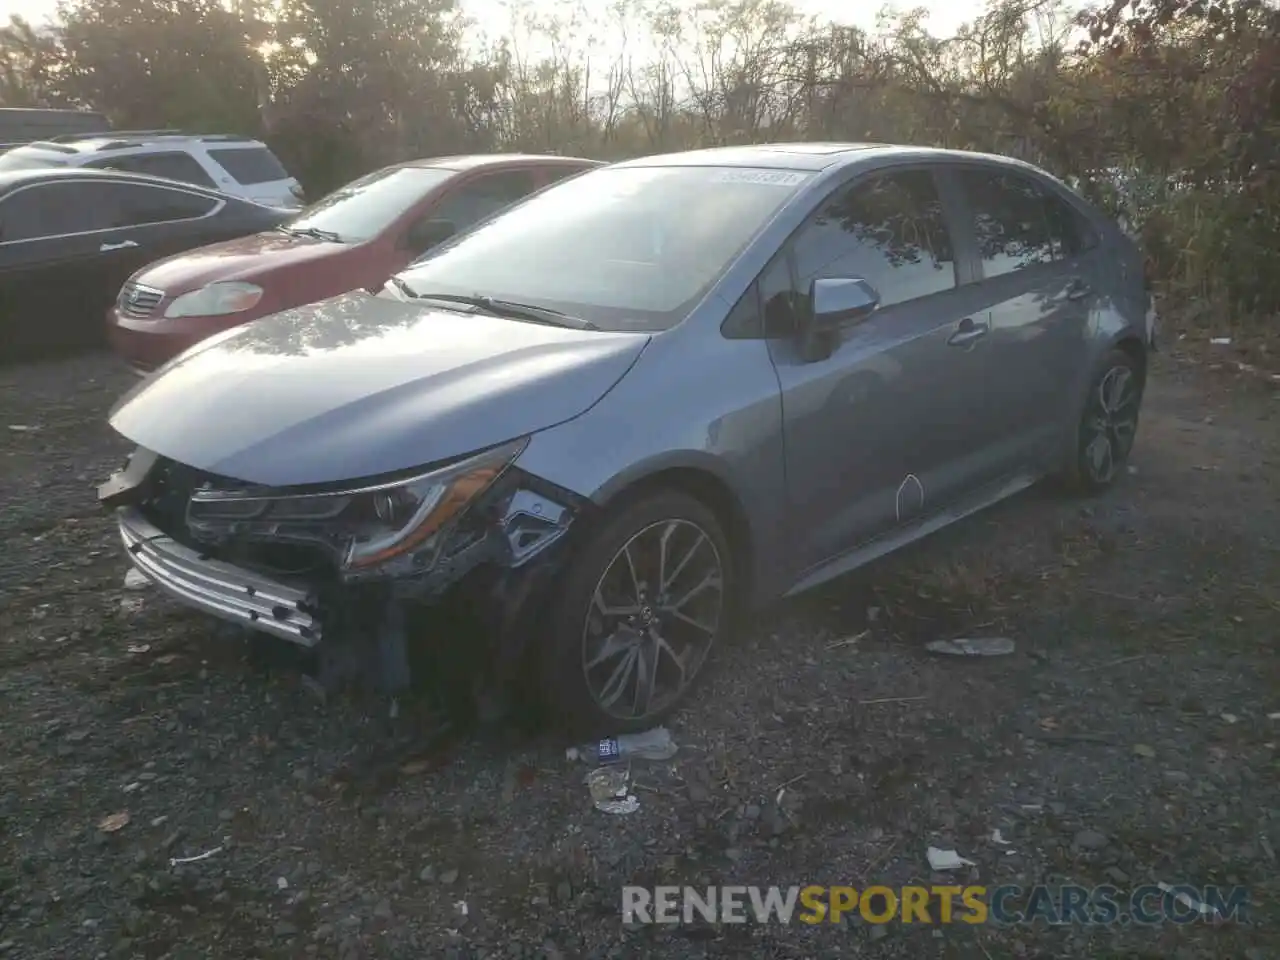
(139, 301)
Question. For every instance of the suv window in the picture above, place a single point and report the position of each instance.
(173, 166)
(54, 210)
(1010, 220)
(484, 196)
(889, 230)
(137, 204)
(250, 165)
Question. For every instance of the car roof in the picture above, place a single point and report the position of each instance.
(472, 161)
(808, 156)
(133, 139)
(12, 179)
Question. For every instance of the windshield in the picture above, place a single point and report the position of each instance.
(364, 208)
(28, 160)
(627, 248)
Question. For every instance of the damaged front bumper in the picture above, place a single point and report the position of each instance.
(498, 558)
(287, 611)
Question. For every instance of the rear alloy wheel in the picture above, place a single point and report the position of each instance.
(640, 610)
(1108, 424)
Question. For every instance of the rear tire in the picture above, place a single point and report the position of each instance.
(1107, 425)
(626, 648)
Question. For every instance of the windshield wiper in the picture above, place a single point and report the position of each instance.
(503, 308)
(314, 232)
(402, 287)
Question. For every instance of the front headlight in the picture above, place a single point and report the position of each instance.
(368, 525)
(215, 300)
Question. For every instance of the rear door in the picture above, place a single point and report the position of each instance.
(875, 432)
(1033, 252)
(149, 222)
(51, 286)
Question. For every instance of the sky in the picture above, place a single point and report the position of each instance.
(944, 15)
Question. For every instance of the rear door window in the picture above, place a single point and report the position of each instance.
(484, 196)
(250, 165)
(172, 166)
(50, 210)
(138, 205)
(1010, 220)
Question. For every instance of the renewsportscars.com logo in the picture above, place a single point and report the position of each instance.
(814, 904)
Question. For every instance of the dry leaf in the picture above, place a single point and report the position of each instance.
(1048, 723)
(415, 766)
(1142, 750)
(115, 822)
(139, 647)
(166, 658)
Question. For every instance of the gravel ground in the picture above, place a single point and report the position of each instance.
(1126, 741)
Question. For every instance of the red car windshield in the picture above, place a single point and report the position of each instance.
(364, 208)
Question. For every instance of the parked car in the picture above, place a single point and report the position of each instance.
(239, 166)
(354, 238)
(70, 238)
(643, 401)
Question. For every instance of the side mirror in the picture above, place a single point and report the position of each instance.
(425, 234)
(834, 304)
(838, 303)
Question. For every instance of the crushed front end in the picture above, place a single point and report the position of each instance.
(348, 569)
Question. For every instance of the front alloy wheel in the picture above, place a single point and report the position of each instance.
(641, 609)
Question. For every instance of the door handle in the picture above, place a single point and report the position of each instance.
(968, 332)
(122, 245)
(1078, 290)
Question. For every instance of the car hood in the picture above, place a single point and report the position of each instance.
(360, 385)
(241, 259)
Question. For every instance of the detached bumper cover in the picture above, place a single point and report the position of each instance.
(229, 592)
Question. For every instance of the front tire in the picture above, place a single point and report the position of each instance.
(1107, 426)
(641, 607)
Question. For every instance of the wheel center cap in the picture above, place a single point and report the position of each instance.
(647, 616)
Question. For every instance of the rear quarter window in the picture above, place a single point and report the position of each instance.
(250, 165)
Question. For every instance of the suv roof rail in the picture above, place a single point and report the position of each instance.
(97, 134)
(226, 138)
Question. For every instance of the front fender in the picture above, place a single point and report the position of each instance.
(667, 414)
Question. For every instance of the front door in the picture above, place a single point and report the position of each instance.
(873, 432)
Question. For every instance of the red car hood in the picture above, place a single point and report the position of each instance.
(245, 258)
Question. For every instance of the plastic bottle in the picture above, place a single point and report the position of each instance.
(655, 744)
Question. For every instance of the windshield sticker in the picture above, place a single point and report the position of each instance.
(775, 178)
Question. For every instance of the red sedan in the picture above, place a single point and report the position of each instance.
(356, 237)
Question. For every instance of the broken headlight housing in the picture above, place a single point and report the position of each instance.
(366, 526)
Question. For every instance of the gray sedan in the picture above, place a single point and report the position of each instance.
(610, 420)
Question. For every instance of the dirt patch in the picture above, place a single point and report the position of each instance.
(1126, 742)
